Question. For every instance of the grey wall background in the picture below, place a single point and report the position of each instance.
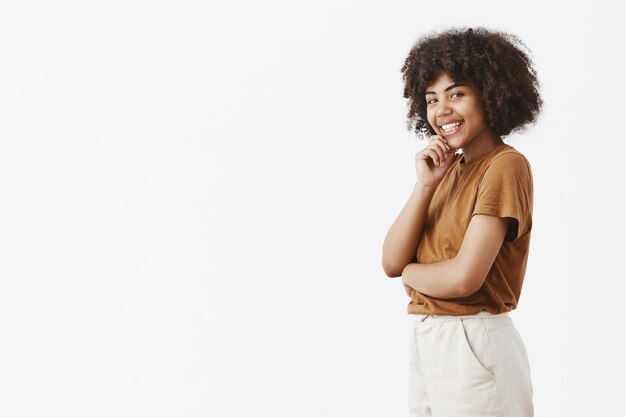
(194, 197)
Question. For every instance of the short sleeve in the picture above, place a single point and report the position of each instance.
(506, 190)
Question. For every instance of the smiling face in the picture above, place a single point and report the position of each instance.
(456, 112)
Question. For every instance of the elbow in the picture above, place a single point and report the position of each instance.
(469, 284)
(392, 270)
(392, 264)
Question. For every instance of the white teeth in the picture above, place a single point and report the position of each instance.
(451, 126)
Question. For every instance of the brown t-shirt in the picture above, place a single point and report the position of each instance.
(498, 183)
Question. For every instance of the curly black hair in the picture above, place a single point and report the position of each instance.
(495, 62)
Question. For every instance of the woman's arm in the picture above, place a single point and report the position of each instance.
(400, 245)
(464, 274)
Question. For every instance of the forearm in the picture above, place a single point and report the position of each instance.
(400, 244)
(440, 279)
(464, 274)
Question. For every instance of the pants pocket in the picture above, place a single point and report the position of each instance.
(456, 370)
(476, 344)
(513, 371)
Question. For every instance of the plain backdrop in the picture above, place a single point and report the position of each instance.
(194, 196)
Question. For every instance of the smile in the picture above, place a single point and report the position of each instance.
(451, 127)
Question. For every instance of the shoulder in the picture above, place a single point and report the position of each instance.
(507, 159)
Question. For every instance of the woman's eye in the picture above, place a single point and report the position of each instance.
(431, 101)
(456, 94)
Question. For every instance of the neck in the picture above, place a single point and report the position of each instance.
(485, 142)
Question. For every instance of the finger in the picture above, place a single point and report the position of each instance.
(440, 140)
(448, 152)
(437, 137)
(435, 154)
(436, 151)
(433, 151)
(442, 145)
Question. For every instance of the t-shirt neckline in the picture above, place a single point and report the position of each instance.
(462, 165)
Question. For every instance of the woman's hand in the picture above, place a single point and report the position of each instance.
(432, 162)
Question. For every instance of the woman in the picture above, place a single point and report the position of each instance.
(461, 241)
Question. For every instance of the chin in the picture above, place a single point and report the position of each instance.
(456, 143)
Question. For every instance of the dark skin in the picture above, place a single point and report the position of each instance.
(494, 62)
(457, 113)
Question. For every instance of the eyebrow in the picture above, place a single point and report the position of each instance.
(450, 87)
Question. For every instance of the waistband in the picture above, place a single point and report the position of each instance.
(434, 318)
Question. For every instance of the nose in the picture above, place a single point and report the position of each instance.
(443, 109)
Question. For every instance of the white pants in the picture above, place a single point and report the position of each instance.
(468, 366)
